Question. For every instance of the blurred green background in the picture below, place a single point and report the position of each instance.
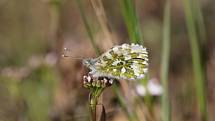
(37, 84)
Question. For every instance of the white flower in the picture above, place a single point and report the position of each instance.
(111, 81)
(141, 90)
(152, 87)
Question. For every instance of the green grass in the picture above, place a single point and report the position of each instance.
(165, 62)
(131, 21)
(196, 59)
(199, 21)
(87, 27)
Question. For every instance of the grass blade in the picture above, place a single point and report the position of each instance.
(88, 28)
(165, 62)
(199, 21)
(131, 21)
(101, 15)
(196, 59)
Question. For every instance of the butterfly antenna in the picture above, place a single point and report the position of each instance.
(65, 54)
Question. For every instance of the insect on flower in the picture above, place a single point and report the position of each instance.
(126, 61)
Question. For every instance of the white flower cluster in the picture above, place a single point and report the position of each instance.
(89, 81)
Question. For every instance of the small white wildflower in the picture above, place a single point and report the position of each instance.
(111, 81)
(141, 90)
(152, 87)
(88, 78)
(105, 80)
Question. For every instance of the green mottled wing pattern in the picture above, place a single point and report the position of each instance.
(126, 61)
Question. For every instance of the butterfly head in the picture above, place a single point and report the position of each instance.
(88, 62)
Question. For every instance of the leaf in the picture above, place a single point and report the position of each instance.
(103, 115)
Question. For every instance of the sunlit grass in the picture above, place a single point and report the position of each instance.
(131, 20)
(198, 70)
(165, 62)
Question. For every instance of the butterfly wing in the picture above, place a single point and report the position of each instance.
(128, 62)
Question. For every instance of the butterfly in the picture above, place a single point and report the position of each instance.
(123, 62)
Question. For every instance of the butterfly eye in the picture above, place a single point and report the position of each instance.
(86, 62)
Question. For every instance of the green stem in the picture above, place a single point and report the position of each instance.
(94, 96)
(131, 115)
(88, 28)
(165, 63)
(199, 21)
(196, 59)
(93, 103)
(131, 21)
(148, 100)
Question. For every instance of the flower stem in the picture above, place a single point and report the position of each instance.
(199, 74)
(131, 20)
(165, 63)
(93, 100)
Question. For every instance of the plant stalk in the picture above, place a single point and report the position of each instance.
(165, 62)
(131, 21)
(88, 28)
(199, 75)
(93, 100)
